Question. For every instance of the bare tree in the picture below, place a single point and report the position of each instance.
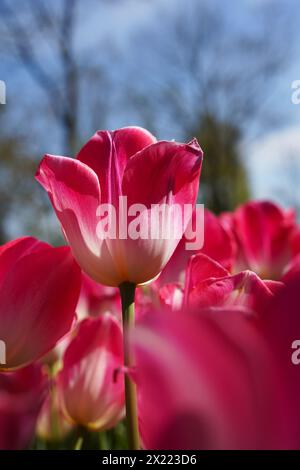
(39, 31)
(62, 91)
(200, 61)
(205, 70)
(73, 89)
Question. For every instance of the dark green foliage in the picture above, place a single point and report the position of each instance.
(223, 179)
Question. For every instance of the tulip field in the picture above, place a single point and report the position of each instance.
(158, 325)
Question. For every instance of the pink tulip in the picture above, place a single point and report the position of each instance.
(96, 299)
(281, 326)
(208, 380)
(293, 269)
(21, 396)
(219, 244)
(38, 295)
(90, 385)
(51, 424)
(208, 284)
(126, 162)
(295, 241)
(172, 296)
(264, 235)
(244, 289)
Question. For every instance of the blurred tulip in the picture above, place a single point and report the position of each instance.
(21, 396)
(244, 289)
(172, 296)
(208, 380)
(54, 357)
(208, 284)
(219, 244)
(295, 241)
(51, 424)
(127, 162)
(264, 235)
(293, 269)
(38, 294)
(281, 326)
(96, 299)
(90, 384)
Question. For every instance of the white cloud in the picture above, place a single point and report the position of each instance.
(275, 146)
(273, 163)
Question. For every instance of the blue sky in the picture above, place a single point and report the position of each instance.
(271, 155)
(268, 153)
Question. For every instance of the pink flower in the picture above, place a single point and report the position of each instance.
(244, 289)
(208, 284)
(38, 295)
(295, 241)
(281, 326)
(96, 299)
(218, 243)
(51, 424)
(91, 385)
(264, 234)
(293, 269)
(21, 396)
(126, 162)
(208, 380)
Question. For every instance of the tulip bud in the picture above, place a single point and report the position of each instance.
(90, 385)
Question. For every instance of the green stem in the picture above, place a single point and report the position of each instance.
(127, 291)
(80, 438)
(103, 441)
(79, 442)
(54, 427)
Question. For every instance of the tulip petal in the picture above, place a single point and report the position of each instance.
(263, 231)
(201, 267)
(74, 191)
(164, 175)
(21, 396)
(107, 153)
(38, 297)
(211, 375)
(88, 390)
(244, 289)
(171, 295)
(165, 172)
(281, 325)
(218, 244)
(11, 252)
